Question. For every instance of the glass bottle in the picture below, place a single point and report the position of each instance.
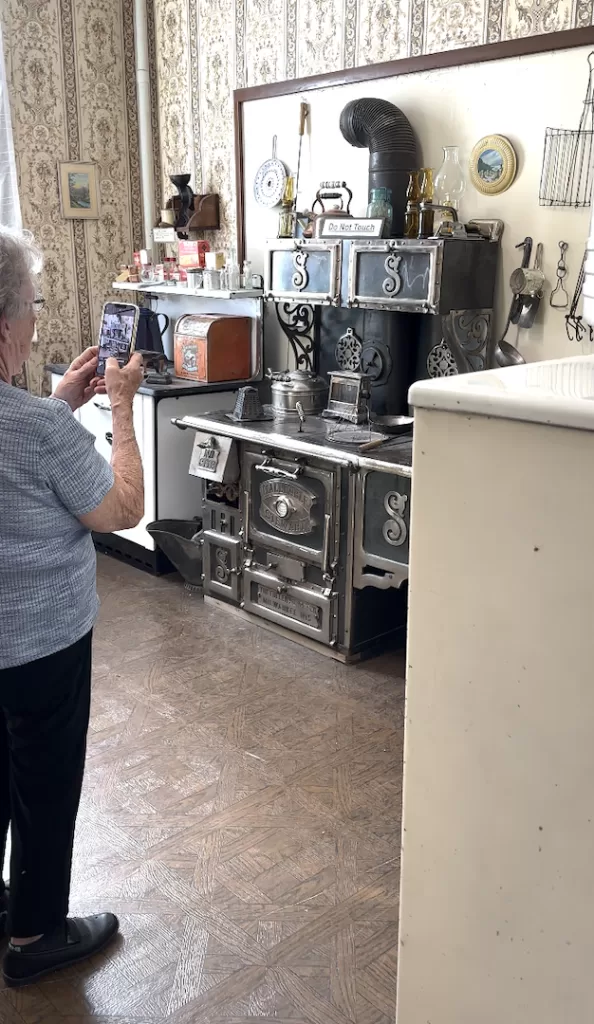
(246, 274)
(449, 188)
(380, 205)
(233, 282)
(286, 218)
(449, 180)
(413, 197)
(426, 216)
(286, 222)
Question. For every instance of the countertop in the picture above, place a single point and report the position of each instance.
(176, 389)
(319, 437)
(559, 392)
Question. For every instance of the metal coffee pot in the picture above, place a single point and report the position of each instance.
(297, 386)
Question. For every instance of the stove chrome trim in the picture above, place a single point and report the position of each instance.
(398, 247)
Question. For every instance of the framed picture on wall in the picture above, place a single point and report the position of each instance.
(79, 196)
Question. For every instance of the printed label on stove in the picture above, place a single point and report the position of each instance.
(301, 611)
(286, 506)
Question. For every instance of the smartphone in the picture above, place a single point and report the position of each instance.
(117, 334)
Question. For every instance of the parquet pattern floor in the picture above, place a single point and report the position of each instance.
(241, 814)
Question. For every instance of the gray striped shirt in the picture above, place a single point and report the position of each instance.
(50, 473)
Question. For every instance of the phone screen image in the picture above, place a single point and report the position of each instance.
(117, 333)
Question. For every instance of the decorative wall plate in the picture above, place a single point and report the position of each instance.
(270, 181)
(493, 165)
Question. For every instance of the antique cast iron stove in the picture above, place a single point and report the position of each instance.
(304, 535)
(394, 309)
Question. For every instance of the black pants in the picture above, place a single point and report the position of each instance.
(44, 717)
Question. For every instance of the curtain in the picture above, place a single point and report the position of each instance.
(10, 207)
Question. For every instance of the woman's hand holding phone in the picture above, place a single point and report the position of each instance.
(122, 382)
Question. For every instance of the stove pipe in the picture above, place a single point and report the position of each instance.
(387, 132)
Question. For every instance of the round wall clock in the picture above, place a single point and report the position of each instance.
(270, 181)
(493, 165)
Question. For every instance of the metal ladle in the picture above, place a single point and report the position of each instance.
(504, 353)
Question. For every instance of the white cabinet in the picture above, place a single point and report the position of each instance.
(170, 492)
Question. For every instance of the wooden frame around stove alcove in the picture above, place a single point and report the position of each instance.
(545, 43)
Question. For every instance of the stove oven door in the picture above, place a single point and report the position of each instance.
(291, 507)
(302, 607)
(382, 527)
(291, 524)
(221, 565)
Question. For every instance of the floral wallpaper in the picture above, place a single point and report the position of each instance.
(229, 44)
(71, 73)
(70, 68)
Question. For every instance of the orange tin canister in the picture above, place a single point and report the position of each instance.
(212, 348)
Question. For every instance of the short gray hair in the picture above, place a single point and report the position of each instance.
(20, 262)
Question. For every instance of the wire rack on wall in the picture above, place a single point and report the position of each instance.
(567, 162)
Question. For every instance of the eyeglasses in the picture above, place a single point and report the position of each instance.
(38, 304)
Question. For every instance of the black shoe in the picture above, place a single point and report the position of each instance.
(81, 938)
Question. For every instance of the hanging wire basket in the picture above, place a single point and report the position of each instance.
(567, 162)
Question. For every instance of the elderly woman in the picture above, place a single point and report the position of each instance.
(54, 489)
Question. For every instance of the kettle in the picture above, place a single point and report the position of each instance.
(330, 190)
(295, 387)
(149, 333)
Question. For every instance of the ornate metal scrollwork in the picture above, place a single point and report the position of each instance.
(297, 322)
(222, 569)
(300, 277)
(440, 361)
(394, 530)
(348, 350)
(467, 333)
(393, 282)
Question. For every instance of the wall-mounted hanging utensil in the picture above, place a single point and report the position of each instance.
(303, 115)
(559, 297)
(532, 291)
(575, 326)
(504, 353)
(270, 181)
(516, 304)
(567, 164)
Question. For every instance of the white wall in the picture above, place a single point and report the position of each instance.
(518, 98)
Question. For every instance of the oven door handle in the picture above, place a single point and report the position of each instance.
(271, 470)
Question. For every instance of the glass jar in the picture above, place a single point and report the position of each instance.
(286, 222)
(211, 280)
(380, 205)
(194, 276)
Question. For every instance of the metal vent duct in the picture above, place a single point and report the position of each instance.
(382, 128)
